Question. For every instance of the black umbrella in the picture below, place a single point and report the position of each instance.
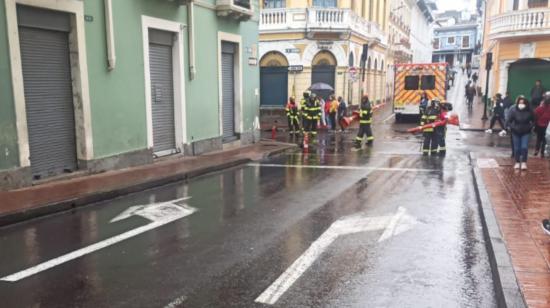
(320, 86)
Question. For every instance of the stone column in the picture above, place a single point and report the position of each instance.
(504, 66)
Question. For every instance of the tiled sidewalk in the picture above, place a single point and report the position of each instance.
(520, 201)
(471, 119)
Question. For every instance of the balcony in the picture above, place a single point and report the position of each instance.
(530, 22)
(318, 20)
(237, 9)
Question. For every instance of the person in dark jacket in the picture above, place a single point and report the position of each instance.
(542, 116)
(498, 114)
(342, 111)
(424, 101)
(536, 94)
(521, 122)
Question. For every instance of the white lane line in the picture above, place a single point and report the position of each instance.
(79, 253)
(159, 213)
(342, 167)
(388, 118)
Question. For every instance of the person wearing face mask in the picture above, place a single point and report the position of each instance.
(542, 114)
(521, 122)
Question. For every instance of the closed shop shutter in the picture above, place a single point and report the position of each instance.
(162, 91)
(228, 91)
(273, 85)
(44, 42)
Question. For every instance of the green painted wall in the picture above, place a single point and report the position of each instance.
(9, 155)
(118, 97)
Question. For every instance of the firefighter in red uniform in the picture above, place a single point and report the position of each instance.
(365, 121)
(292, 116)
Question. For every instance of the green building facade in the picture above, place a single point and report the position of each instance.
(98, 85)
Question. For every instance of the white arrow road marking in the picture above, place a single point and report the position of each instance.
(159, 214)
(348, 225)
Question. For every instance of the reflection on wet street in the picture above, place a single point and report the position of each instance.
(254, 222)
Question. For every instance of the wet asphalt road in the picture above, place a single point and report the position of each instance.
(253, 222)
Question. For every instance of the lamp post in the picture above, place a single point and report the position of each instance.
(488, 66)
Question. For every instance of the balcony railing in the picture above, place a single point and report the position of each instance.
(317, 20)
(520, 23)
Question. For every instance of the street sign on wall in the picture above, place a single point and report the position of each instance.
(295, 68)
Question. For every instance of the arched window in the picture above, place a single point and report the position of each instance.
(273, 58)
(324, 58)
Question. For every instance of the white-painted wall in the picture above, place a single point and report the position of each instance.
(421, 37)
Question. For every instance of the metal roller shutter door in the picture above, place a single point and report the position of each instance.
(228, 92)
(273, 86)
(162, 91)
(49, 100)
(325, 74)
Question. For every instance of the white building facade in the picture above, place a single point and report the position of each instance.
(421, 32)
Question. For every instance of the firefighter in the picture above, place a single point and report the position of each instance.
(304, 110)
(432, 115)
(292, 115)
(441, 131)
(313, 112)
(365, 121)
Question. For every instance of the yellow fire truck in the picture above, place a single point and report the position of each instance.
(411, 80)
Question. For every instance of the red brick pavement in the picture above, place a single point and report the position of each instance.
(520, 201)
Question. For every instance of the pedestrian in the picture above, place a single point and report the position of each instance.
(536, 94)
(475, 77)
(328, 103)
(498, 114)
(542, 116)
(332, 112)
(432, 115)
(521, 122)
(470, 93)
(322, 103)
(423, 102)
(365, 121)
(292, 116)
(441, 131)
(342, 112)
(546, 226)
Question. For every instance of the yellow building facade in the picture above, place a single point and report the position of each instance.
(308, 41)
(517, 33)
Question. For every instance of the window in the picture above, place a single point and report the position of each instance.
(466, 42)
(242, 3)
(428, 82)
(515, 5)
(436, 43)
(537, 3)
(451, 40)
(411, 83)
(274, 4)
(324, 3)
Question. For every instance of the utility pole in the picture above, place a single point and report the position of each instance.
(488, 66)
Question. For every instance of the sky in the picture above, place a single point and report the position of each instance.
(444, 5)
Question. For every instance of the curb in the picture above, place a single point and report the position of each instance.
(72, 204)
(473, 129)
(507, 289)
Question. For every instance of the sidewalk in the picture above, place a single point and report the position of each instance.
(519, 202)
(470, 120)
(21, 204)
